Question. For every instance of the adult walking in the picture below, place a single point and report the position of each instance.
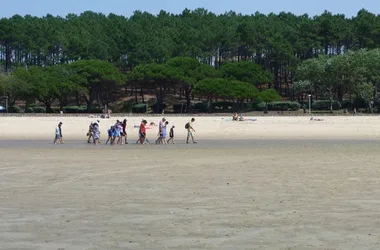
(58, 133)
(190, 130)
(124, 132)
(96, 133)
(90, 132)
(160, 130)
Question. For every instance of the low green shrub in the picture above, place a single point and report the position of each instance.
(15, 109)
(70, 109)
(201, 107)
(284, 106)
(359, 103)
(177, 108)
(325, 105)
(277, 106)
(223, 105)
(39, 109)
(346, 104)
(139, 108)
(260, 106)
(127, 107)
(155, 106)
(29, 110)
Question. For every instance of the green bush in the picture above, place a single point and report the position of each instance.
(277, 106)
(284, 106)
(177, 108)
(139, 108)
(29, 110)
(222, 105)
(56, 109)
(346, 104)
(127, 107)
(82, 109)
(39, 110)
(269, 95)
(70, 109)
(15, 109)
(325, 105)
(259, 106)
(359, 103)
(154, 108)
(95, 109)
(201, 107)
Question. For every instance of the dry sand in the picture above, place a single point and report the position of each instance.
(75, 128)
(252, 194)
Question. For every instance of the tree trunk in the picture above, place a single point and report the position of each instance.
(8, 57)
(89, 100)
(48, 107)
(188, 98)
(142, 95)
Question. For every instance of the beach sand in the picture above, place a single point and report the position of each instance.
(75, 128)
(283, 191)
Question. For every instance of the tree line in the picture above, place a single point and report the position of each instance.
(100, 82)
(166, 52)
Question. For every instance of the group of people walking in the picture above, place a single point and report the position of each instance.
(117, 133)
(162, 132)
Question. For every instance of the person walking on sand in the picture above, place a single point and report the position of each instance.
(160, 128)
(118, 129)
(96, 133)
(58, 134)
(124, 132)
(110, 135)
(90, 132)
(171, 135)
(142, 132)
(190, 130)
(164, 132)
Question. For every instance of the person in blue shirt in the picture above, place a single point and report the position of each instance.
(111, 135)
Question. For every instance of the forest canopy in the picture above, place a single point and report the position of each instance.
(45, 59)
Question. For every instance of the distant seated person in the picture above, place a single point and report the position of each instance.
(106, 114)
(235, 117)
(316, 119)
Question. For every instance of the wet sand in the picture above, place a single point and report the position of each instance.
(217, 194)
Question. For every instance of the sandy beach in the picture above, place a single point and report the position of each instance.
(283, 183)
(75, 128)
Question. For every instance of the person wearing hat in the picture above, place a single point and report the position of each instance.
(58, 134)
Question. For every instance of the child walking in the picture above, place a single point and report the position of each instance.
(171, 134)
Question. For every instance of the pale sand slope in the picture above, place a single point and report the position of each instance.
(301, 196)
(75, 128)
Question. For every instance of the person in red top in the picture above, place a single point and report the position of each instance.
(142, 132)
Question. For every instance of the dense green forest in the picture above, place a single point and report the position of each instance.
(243, 61)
